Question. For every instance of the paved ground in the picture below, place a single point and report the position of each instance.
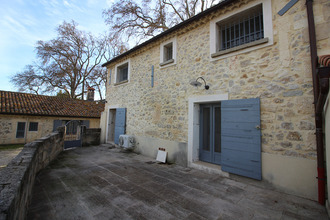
(104, 183)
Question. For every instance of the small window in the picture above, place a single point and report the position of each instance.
(20, 132)
(168, 53)
(122, 73)
(241, 29)
(33, 126)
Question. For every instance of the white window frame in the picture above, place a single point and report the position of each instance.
(268, 32)
(165, 63)
(116, 82)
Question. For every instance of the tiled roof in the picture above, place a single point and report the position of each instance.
(30, 104)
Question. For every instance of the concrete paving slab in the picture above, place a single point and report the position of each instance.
(107, 183)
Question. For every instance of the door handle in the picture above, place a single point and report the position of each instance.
(258, 127)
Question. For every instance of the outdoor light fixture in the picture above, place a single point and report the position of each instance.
(196, 83)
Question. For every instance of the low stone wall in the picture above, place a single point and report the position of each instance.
(91, 136)
(17, 179)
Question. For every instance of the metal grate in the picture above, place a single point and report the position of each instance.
(242, 31)
(33, 126)
(20, 132)
(168, 52)
(123, 73)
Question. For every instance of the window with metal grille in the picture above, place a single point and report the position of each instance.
(122, 73)
(33, 126)
(168, 52)
(241, 29)
(20, 132)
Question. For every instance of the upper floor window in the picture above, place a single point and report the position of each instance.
(122, 71)
(168, 53)
(241, 29)
(245, 29)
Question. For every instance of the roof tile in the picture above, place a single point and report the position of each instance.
(30, 104)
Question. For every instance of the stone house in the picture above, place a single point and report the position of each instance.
(26, 117)
(229, 91)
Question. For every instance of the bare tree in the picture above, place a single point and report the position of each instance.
(98, 80)
(27, 80)
(148, 18)
(66, 63)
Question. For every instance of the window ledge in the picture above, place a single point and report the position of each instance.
(234, 49)
(167, 62)
(119, 83)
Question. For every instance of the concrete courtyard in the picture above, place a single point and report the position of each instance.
(106, 183)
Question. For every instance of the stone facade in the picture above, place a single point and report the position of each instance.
(278, 73)
(8, 127)
(91, 136)
(17, 179)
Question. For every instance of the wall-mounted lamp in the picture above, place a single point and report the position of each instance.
(196, 83)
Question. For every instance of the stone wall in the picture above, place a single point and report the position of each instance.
(279, 74)
(91, 136)
(17, 179)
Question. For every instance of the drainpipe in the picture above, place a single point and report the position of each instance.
(318, 110)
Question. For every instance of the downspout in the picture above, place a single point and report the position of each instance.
(318, 110)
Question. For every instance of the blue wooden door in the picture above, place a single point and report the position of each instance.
(120, 123)
(210, 137)
(241, 137)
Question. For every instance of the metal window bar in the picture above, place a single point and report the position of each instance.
(242, 31)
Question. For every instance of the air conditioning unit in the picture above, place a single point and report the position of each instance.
(126, 141)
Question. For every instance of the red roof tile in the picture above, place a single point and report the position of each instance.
(30, 104)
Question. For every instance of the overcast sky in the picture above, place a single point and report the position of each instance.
(24, 22)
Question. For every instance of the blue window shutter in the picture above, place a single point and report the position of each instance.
(57, 123)
(152, 76)
(241, 137)
(110, 77)
(120, 123)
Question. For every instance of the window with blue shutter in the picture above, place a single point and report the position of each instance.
(110, 76)
(120, 123)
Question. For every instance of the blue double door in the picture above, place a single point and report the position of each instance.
(230, 136)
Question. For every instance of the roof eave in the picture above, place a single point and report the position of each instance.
(45, 115)
(176, 27)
